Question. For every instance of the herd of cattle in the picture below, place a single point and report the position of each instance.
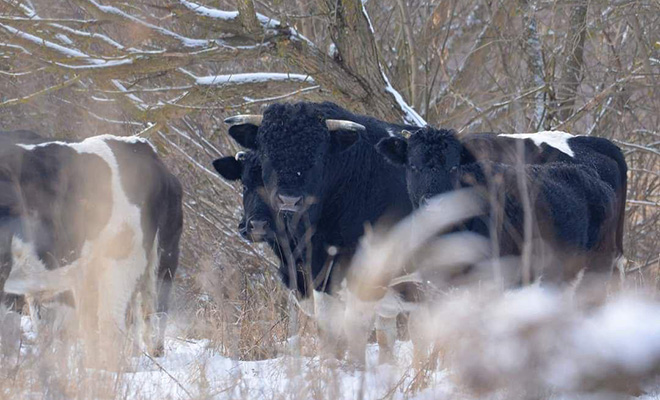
(96, 224)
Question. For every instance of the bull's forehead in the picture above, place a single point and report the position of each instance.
(293, 139)
(434, 148)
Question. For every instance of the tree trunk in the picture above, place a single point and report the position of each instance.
(571, 71)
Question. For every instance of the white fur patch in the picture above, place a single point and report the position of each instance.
(556, 139)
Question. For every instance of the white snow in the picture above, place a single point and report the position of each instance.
(332, 50)
(505, 334)
(255, 77)
(266, 22)
(557, 139)
(227, 15)
(64, 39)
(53, 46)
(67, 51)
(94, 35)
(210, 12)
(138, 101)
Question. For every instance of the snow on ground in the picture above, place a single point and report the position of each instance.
(203, 372)
(194, 368)
(527, 339)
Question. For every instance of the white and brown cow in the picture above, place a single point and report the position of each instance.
(100, 218)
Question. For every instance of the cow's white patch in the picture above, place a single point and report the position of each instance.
(556, 139)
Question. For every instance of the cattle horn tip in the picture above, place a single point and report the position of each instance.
(254, 119)
(341, 124)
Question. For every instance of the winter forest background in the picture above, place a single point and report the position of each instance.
(171, 71)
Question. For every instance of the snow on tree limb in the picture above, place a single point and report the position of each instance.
(62, 50)
(255, 77)
(269, 24)
(410, 115)
(101, 11)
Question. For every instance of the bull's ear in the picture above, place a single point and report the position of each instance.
(394, 149)
(229, 168)
(343, 139)
(245, 135)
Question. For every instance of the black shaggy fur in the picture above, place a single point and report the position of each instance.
(344, 182)
(598, 154)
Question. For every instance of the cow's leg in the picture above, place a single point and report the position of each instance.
(358, 323)
(10, 332)
(425, 356)
(118, 283)
(417, 322)
(328, 310)
(386, 337)
(387, 310)
(34, 310)
(162, 308)
(149, 299)
(168, 235)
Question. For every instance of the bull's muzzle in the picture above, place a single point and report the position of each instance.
(257, 228)
(289, 203)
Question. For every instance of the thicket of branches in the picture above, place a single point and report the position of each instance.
(173, 70)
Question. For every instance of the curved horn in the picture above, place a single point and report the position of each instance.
(240, 156)
(340, 124)
(254, 119)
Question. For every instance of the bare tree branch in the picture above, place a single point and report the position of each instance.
(25, 99)
(353, 34)
(573, 60)
(473, 62)
(535, 63)
(410, 48)
(248, 17)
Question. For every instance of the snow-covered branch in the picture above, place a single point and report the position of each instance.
(256, 77)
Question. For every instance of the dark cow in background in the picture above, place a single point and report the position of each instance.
(324, 180)
(101, 218)
(258, 223)
(600, 154)
(576, 187)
